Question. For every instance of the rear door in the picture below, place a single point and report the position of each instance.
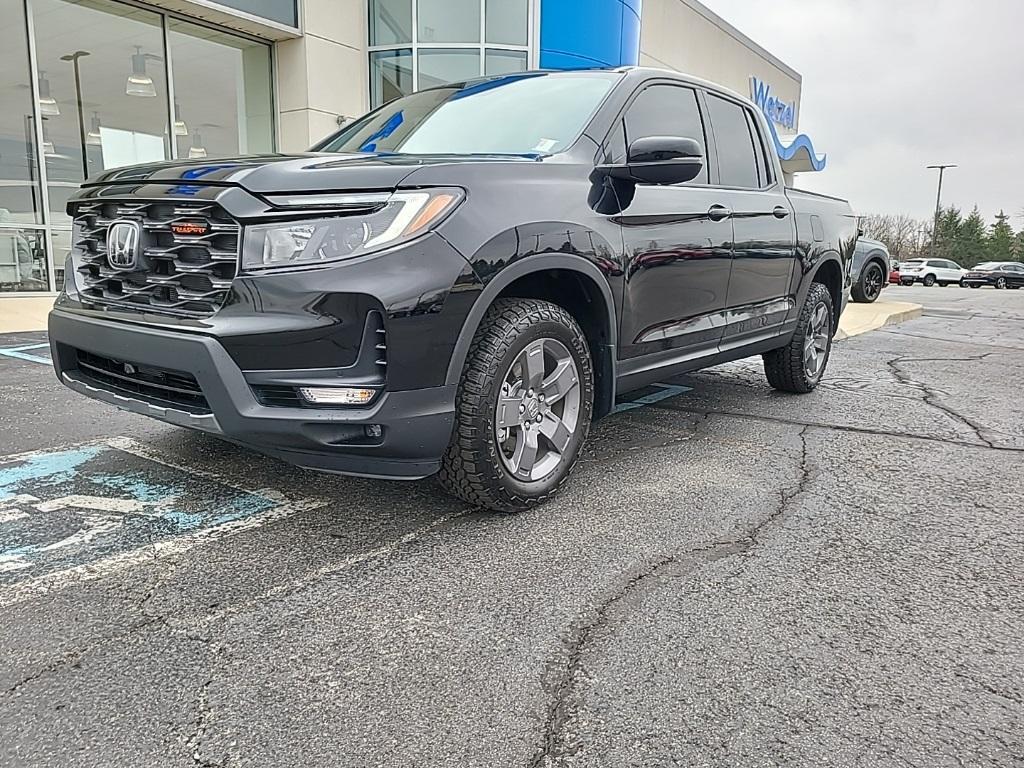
(677, 239)
(762, 279)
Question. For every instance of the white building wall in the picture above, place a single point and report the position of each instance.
(322, 75)
(685, 36)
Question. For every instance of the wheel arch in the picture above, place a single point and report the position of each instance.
(828, 272)
(600, 326)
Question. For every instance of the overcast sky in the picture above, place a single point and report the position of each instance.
(890, 86)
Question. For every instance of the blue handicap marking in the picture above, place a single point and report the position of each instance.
(24, 353)
(68, 508)
(664, 391)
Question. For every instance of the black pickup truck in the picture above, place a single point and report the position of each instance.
(460, 281)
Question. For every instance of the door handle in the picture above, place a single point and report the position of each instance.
(780, 212)
(719, 213)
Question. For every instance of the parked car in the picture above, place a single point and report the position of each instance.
(894, 273)
(931, 271)
(870, 270)
(999, 274)
(457, 282)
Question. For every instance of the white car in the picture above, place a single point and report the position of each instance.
(931, 271)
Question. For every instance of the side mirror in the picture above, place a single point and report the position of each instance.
(659, 160)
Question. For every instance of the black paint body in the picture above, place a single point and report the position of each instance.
(660, 280)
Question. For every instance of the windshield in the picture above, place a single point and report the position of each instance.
(529, 114)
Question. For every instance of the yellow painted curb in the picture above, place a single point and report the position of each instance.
(861, 318)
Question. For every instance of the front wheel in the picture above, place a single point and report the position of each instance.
(869, 287)
(523, 407)
(799, 366)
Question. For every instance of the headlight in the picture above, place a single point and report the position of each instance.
(382, 221)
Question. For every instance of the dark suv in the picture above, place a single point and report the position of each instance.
(460, 281)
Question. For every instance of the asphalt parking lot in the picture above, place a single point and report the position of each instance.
(733, 578)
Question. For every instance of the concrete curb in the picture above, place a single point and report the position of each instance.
(862, 318)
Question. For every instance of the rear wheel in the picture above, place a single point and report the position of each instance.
(869, 287)
(929, 280)
(1000, 282)
(523, 408)
(799, 366)
(963, 283)
(906, 283)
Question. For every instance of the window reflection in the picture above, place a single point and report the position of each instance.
(230, 114)
(104, 68)
(20, 199)
(22, 259)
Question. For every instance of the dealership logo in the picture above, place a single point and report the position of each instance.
(190, 228)
(123, 244)
(778, 111)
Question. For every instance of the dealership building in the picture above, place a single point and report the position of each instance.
(90, 85)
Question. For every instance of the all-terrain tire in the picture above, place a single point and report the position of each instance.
(785, 367)
(471, 468)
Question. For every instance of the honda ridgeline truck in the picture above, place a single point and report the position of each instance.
(459, 282)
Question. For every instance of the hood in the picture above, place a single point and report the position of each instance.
(292, 173)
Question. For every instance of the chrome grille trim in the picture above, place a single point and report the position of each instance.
(178, 274)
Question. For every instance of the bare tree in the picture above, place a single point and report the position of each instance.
(903, 235)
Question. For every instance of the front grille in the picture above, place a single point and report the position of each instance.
(160, 386)
(186, 273)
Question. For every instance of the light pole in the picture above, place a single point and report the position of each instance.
(938, 203)
(73, 58)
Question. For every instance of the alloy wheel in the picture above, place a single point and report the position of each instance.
(1001, 282)
(873, 282)
(816, 339)
(538, 409)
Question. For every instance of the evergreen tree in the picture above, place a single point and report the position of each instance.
(1000, 244)
(950, 222)
(970, 243)
(1018, 252)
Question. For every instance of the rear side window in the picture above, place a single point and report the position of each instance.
(737, 158)
(667, 110)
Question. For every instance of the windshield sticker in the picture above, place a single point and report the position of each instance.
(546, 145)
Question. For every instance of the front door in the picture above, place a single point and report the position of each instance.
(764, 265)
(677, 242)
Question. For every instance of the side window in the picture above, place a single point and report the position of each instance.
(737, 161)
(667, 110)
(764, 166)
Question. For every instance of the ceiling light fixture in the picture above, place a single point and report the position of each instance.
(93, 137)
(47, 104)
(180, 127)
(197, 151)
(139, 81)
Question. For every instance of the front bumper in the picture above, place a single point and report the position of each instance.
(415, 425)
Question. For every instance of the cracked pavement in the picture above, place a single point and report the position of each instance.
(732, 578)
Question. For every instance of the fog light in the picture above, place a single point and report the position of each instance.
(374, 431)
(337, 395)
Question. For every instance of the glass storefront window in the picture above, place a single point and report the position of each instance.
(390, 22)
(507, 23)
(390, 75)
(103, 63)
(499, 62)
(100, 78)
(23, 265)
(445, 43)
(20, 200)
(231, 114)
(439, 66)
(448, 21)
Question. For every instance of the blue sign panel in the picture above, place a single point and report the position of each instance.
(598, 33)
